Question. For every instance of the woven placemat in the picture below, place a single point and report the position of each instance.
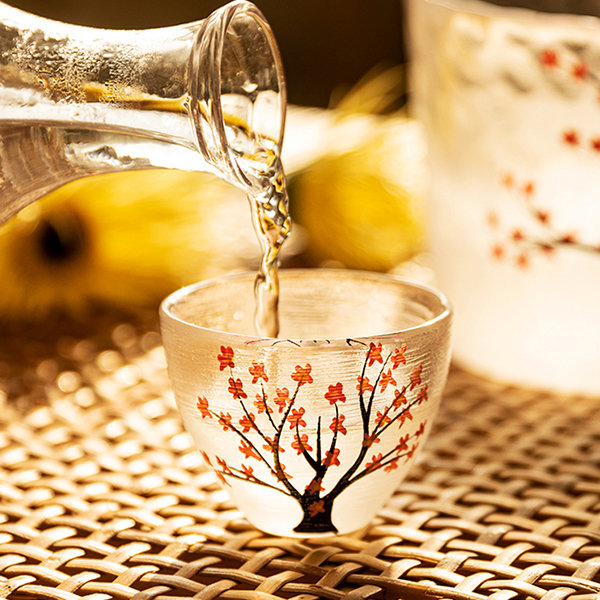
(103, 496)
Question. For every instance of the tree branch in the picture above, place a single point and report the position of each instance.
(343, 481)
(385, 414)
(309, 459)
(244, 437)
(398, 416)
(319, 454)
(264, 397)
(255, 480)
(361, 399)
(329, 453)
(381, 463)
(368, 439)
(252, 421)
(280, 473)
(374, 390)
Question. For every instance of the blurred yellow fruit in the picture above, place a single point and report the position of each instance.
(363, 208)
(124, 239)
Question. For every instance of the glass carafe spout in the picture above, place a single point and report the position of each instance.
(78, 101)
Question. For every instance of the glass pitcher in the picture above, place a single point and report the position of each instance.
(78, 101)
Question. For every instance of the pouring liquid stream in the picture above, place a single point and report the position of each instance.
(271, 234)
(268, 199)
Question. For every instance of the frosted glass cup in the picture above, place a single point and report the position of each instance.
(310, 432)
(509, 94)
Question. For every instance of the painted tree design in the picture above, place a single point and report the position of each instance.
(541, 235)
(273, 424)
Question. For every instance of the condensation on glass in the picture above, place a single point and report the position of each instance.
(78, 101)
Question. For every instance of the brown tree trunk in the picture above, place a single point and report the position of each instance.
(315, 522)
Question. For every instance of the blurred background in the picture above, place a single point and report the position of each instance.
(353, 156)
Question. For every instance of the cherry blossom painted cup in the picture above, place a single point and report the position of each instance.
(310, 432)
(508, 91)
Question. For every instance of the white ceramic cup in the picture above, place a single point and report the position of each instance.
(510, 100)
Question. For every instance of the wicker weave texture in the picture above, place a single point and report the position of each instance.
(103, 496)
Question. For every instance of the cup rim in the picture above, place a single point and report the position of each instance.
(445, 312)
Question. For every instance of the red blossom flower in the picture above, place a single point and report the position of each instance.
(225, 421)
(374, 462)
(335, 393)
(295, 418)
(391, 466)
(261, 404)
(374, 354)
(548, 249)
(415, 377)
(331, 458)
(223, 464)
(370, 440)
(236, 388)
(247, 422)
(549, 58)
(543, 216)
(421, 430)
(498, 252)
(508, 180)
(249, 473)
(398, 357)
(318, 506)
(270, 445)
(248, 451)
(595, 144)
(283, 398)
(517, 235)
(523, 260)
(399, 399)
(571, 137)
(402, 446)
(257, 370)
(411, 452)
(569, 238)
(406, 416)
(202, 406)
(422, 394)
(225, 358)
(363, 385)
(302, 374)
(386, 379)
(221, 478)
(284, 474)
(529, 188)
(579, 70)
(301, 443)
(337, 424)
(382, 418)
(314, 486)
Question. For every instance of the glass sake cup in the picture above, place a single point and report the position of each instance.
(313, 431)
